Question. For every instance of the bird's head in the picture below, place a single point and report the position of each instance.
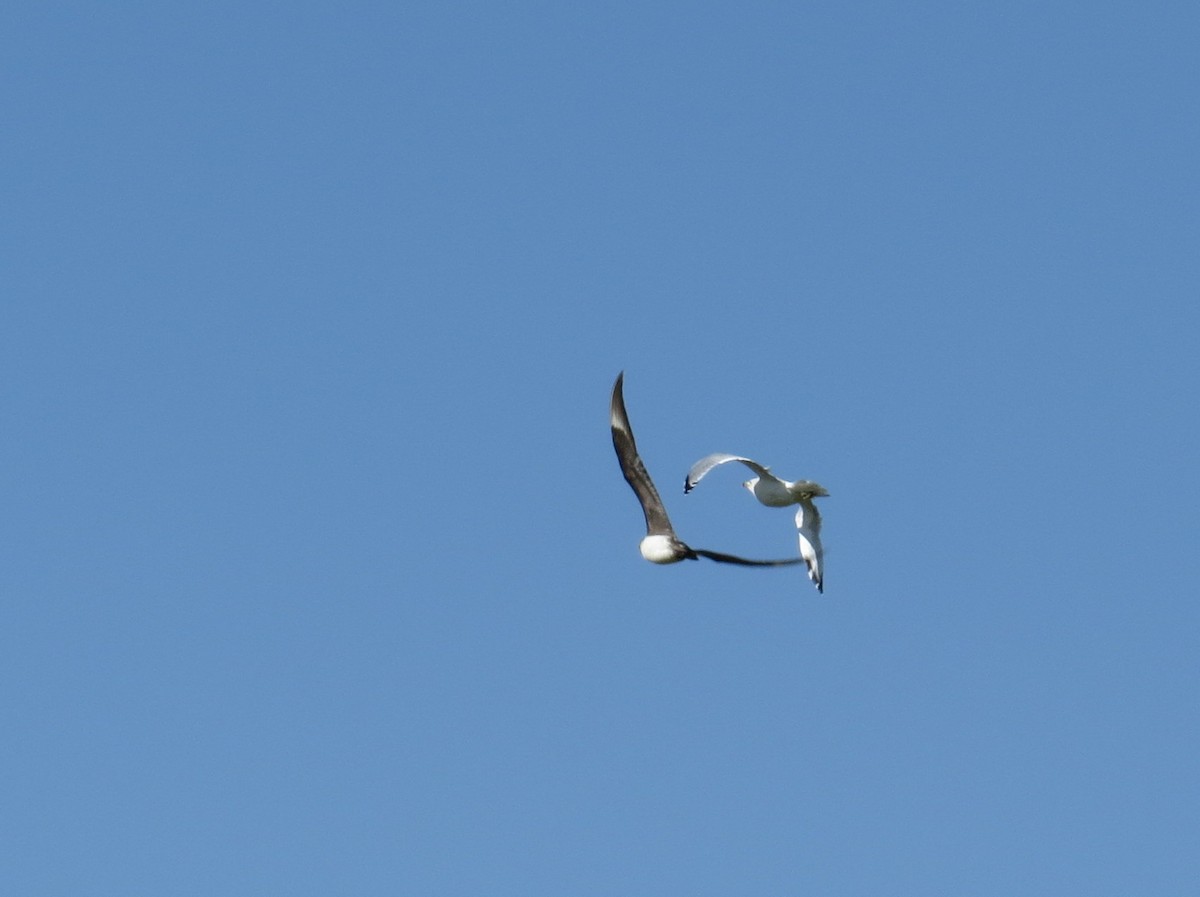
(811, 489)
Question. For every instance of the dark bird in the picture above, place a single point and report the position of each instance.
(661, 545)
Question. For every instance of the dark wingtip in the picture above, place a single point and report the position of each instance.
(618, 390)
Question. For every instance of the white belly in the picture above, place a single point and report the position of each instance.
(772, 493)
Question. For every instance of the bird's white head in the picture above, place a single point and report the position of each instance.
(660, 549)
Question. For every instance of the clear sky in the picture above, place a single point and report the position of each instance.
(319, 575)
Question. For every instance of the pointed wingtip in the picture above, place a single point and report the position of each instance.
(618, 390)
(617, 401)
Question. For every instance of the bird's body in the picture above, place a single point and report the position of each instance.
(774, 492)
(660, 544)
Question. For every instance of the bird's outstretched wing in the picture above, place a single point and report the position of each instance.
(657, 521)
(808, 527)
(734, 559)
(707, 463)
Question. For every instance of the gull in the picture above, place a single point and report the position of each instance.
(773, 492)
(661, 545)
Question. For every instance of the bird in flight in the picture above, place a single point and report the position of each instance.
(773, 492)
(661, 545)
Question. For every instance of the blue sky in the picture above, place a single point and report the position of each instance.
(319, 575)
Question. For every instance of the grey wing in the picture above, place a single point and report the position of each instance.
(707, 463)
(657, 522)
(808, 526)
(734, 559)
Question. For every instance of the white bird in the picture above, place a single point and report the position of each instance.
(773, 492)
(661, 545)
